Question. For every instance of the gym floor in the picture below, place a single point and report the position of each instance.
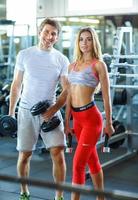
(122, 176)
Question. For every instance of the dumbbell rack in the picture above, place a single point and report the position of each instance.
(122, 41)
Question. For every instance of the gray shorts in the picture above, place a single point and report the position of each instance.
(29, 130)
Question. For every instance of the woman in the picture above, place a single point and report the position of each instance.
(85, 74)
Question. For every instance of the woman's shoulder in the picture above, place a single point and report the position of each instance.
(72, 65)
(100, 63)
(100, 66)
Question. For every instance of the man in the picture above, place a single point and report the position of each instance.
(38, 70)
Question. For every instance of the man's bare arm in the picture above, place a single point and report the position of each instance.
(15, 91)
(61, 100)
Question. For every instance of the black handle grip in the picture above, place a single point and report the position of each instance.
(69, 140)
(106, 140)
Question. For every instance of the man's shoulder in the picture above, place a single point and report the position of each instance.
(61, 58)
(59, 53)
(27, 50)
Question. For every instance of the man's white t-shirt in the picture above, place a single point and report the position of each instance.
(42, 73)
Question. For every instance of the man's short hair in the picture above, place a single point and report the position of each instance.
(51, 22)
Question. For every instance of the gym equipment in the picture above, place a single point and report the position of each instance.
(69, 144)
(106, 148)
(51, 124)
(8, 125)
(131, 56)
(7, 47)
(107, 59)
(40, 108)
(119, 128)
(120, 97)
(118, 74)
(125, 86)
(4, 94)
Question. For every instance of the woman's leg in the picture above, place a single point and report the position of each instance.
(77, 129)
(91, 126)
(96, 172)
(98, 182)
(80, 161)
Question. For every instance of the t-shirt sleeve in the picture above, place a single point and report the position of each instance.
(65, 64)
(19, 62)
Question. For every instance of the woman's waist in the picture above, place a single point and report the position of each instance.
(88, 113)
(83, 107)
(78, 103)
(81, 96)
(81, 100)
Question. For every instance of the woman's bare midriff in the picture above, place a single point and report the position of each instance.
(81, 95)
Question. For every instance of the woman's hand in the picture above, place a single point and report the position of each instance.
(68, 130)
(109, 129)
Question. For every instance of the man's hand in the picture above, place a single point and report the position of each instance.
(49, 113)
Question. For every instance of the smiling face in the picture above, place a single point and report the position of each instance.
(85, 42)
(48, 37)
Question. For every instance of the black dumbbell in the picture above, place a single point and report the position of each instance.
(40, 108)
(119, 128)
(69, 144)
(106, 148)
(8, 125)
(51, 124)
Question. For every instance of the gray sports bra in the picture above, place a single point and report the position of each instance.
(84, 77)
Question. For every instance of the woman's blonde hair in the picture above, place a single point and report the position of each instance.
(96, 47)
